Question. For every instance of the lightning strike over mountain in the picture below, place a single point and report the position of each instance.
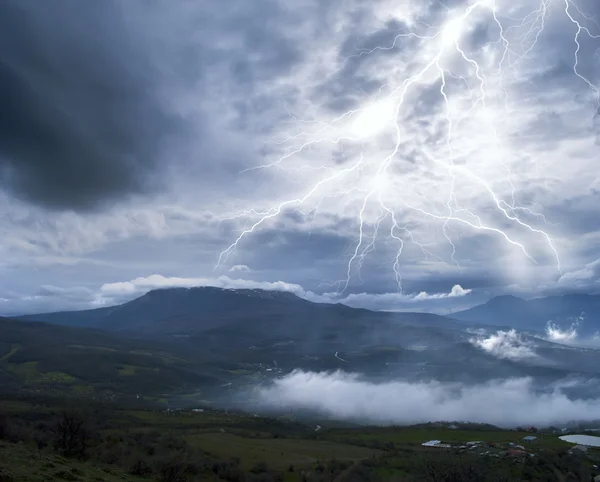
(430, 154)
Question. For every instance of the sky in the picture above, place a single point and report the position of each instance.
(396, 155)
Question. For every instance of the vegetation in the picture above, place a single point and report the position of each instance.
(48, 439)
(38, 357)
(83, 404)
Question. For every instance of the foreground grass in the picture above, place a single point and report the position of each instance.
(279, 454)
(143, 444)
(21, 462)
(415, 436)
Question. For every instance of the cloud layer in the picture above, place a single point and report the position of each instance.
(505, 403)
(82, 121)
(140, 139)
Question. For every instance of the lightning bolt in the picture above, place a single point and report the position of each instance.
(384, 190)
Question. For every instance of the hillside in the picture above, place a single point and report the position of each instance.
(39, 357)
(136, 445)
(536, 313)
(257, 326)
(193, 310)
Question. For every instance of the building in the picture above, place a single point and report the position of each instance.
(516, 453)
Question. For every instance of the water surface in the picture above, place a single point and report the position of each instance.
(588, 440)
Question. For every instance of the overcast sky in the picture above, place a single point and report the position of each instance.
(392, 154)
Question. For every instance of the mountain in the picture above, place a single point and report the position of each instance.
(39, 357)
(536, 313)
(178, 311)
(221, 342)
(264, 328)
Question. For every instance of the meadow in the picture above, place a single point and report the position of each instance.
(116, 442)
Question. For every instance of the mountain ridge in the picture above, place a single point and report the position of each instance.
(207, 305)
(536, 313)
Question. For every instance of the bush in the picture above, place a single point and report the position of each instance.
(4, 427)
(259, 468)
(65, 475)
(71, 436)
(6, 475)
(171, 471)
(139, 466)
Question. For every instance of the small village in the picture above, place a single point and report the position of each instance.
(519, 449)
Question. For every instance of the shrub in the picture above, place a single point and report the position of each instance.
(71, 437)
(259, 468)
(6, 475)
(4, 427)
(171, 471)
(139, 466)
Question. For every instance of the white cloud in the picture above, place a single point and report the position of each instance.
(583, 278)
(570, 335)
(155, 281)
(509, 345)
(555, 334)
(456, 292)
(377, 301)
(505, 403)
(240, 267)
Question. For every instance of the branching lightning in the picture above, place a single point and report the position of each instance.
(381, 186)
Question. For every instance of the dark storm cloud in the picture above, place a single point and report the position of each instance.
(80, 124)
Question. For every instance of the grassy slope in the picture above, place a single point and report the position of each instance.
(74, 361)
(251, 439)
(414, 436)
(280, 443)
(23, 463)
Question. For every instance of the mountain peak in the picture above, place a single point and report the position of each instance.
(213, 290)
(503, 299)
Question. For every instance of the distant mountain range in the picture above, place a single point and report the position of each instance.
(189, 311)
(535, 314)
(254, 316)
(220, 340)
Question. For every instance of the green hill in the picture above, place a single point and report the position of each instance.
(56, 359)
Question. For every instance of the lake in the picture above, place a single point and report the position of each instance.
(588, 440)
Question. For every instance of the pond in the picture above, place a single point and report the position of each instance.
(588, 440)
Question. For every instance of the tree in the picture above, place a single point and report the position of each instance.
(71, 436)
(4, 426)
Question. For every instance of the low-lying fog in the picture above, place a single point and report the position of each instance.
(569, 392)
(505, 403)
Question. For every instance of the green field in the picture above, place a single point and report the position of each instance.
(145, 444)
(22, 463)
(415, 436)
(280, 452)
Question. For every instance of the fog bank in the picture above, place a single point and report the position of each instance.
(505, 403)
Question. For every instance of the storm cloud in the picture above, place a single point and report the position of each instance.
(142, 138)
(82, 122)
